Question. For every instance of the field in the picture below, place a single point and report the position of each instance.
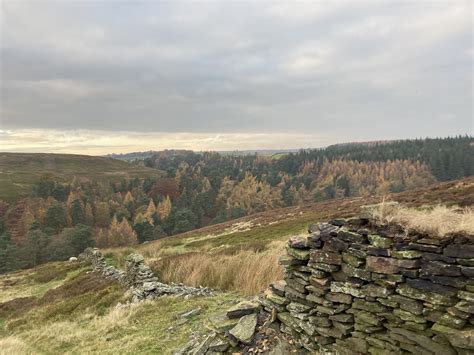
(19, 171)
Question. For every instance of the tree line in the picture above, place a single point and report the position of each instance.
(60, 219)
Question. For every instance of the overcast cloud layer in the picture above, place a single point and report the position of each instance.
(183, 73)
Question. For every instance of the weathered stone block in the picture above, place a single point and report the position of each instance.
(465, 262)
(375, 251)
(298, 242)
(451, 321)
(457, 281)
(324, 267)
(298, 307)
(288, 260)
(296, 285)
(407, 304)
(272, 296)
(385, 265)
(314, 241)
(467, 271)
(425, 342)
(372, 290)
(279, 287)
(424, 247)
(467, 296)
(373, 307)
(458, 313)
(243, 308)
(342, 318)
(423, 295)
(339, 297)
(299, 254)
(360, 253)
(345, 328)
(320, 321)
(382, 265)
(465, 306)
(406, 254)
(459, 251)
(352, 260)
(349, 236)
(380, 242)
(355, 272)
(438, 257)
(458, 338)
(440, 268)
(330, 332)
(334, 244)
(432, 287)
(408, 317)
(321, 256)
(346, 287)
(220, 322)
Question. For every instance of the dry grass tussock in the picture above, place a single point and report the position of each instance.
(438, 221)
(246, 271)
(14, 345)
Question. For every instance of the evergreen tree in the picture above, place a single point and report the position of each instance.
(77, 213)
(56, 217)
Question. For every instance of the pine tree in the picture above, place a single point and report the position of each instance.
(77, 213)
(56, 217)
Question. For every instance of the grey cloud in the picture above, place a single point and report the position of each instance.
(364, 69)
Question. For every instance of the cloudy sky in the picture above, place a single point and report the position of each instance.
(96, 77)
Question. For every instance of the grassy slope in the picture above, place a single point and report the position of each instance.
(78, 315)
(19, 171)
(67, 311)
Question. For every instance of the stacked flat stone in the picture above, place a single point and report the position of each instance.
(351, 287)
(139, 277)
(99, 264)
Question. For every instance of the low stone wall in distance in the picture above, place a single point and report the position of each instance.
(139, 277)
(351, 287)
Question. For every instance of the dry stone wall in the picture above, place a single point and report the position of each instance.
(139, 277)
(351, 287)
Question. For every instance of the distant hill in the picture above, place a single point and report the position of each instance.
(19, 171)
(134, 156)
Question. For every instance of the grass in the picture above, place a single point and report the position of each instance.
(81, 316)
(438, 221)
(19, 171)
(36, 282)
(246, 271)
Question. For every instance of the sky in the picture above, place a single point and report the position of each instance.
(98, 77)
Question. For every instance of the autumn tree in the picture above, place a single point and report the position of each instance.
(164, 208)
(102, 214)
(121, 234)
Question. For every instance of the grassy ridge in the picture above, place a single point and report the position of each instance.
(19, 171)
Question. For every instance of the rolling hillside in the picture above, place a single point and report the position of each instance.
(237, 257)
(19, 171)
(80, 308)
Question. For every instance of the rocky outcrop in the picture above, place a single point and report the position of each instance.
(139, 277)
(351, 287)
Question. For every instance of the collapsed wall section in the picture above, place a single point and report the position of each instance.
(351, 287)
(139, 277)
